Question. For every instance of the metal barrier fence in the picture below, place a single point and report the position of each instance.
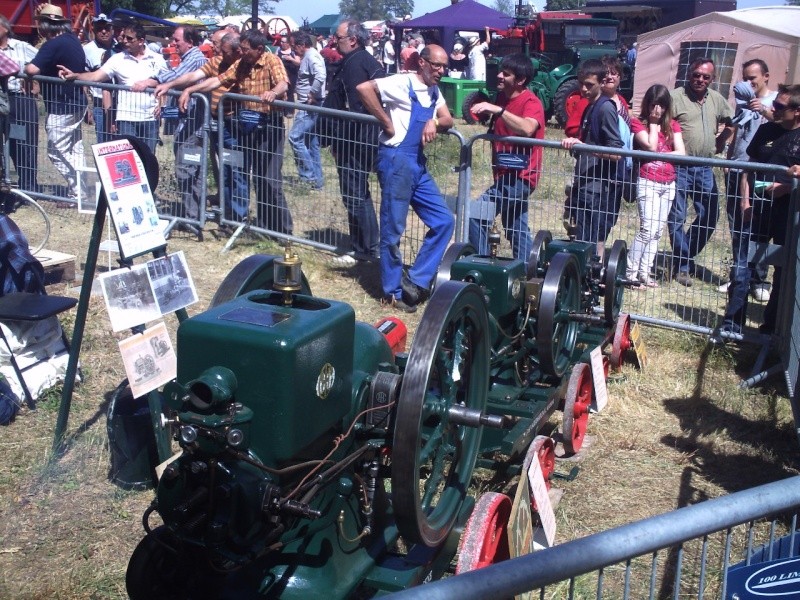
(333, 203)
(685, 553)
(697, 307)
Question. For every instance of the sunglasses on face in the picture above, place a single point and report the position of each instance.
(776, 106)
(129, 38)
(702, 76)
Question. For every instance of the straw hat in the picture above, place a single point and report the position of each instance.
(51, 13)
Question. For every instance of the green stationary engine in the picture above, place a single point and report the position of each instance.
(308, 448)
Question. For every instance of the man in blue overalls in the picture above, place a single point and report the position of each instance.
(414, 113)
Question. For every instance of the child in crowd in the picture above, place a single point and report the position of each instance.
(654, 131)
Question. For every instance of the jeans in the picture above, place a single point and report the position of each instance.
(100, 125)
(147, 131)
(263, 154)
(510, 197)
(654, 201)
(698, 182)
(405, 182)
(595, 204)
(65, 146)
(306, 148)
(189, 144)
(235, 195)
(24, 139)
(743, 273)
(353, 165)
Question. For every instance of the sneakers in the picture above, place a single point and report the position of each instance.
(684, 279)
(412, 293)
(398, 304)
(760, 294)
(344, 260)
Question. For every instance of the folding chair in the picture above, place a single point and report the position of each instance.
(23, 306)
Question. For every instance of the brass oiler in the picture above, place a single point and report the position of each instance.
(287, 274)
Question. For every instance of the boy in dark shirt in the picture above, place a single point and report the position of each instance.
(593, 189)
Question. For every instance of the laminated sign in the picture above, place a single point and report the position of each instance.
(130, 199)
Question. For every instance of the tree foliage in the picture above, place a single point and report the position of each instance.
(504, 6)
(372, 10)
(170, 8)
(564, 4)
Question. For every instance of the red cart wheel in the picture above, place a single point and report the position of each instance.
(576, 407)
(485, 538)
(543, 449)
(622, 341)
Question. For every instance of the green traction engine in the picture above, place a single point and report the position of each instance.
(314, 460)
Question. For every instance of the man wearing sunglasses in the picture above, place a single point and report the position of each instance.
(775, 143)
(700, 111)
(98, 51)
(136, 112)
(415, 113)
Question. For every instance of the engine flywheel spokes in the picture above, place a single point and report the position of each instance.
(433, 455)
(556, 332)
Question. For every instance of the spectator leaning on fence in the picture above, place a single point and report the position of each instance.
(355, 152)
(700, 111)
(309, 88)
(188, 136)
(591, 205)
(515, 168)
(415, 113)
(97, 52)
(775, 143)
(226, 52)
(65, 104)
(137, 112)
(753, 108)
(23, 113)
(654, 131)
(258, 129)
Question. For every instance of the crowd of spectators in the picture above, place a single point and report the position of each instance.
(364, 72)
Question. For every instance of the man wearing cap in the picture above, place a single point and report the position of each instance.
(189, 133)
(23, 112)
(477, 57)
(65, 104)
(97, 52)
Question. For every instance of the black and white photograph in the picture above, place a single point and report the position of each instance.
(129, 297)
(149, 359)
(172, 282)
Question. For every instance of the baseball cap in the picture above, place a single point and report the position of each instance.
(101, 18)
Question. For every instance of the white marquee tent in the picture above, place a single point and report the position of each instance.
(730, 39)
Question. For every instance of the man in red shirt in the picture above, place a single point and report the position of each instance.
(516, 168)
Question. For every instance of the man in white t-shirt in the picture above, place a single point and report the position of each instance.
(137, 112)
(415, 112)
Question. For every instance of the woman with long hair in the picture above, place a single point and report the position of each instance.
(653, 130)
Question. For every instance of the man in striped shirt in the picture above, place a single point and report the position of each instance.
(188, 136)
(258, 129)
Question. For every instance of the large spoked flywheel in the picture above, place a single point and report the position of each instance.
(453, 253)
(433, 455)
(536, 264)
(613, 294)
(253, 273)
(556, 332)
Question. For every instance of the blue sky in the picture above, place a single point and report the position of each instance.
(314, 9)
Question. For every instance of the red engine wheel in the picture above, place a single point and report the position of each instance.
(622, 341)
(576, 407)
(543, 449)
(275, 29)
(485, 538)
